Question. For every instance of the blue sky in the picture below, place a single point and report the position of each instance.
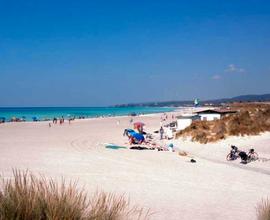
(97, 53)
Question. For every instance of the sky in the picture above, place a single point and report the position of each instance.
(99, 53)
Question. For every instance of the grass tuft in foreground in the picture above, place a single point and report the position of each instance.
(27, 197)
(263, 210)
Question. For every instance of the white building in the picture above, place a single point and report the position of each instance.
(184, 121)
(168, 132)
(213, 114)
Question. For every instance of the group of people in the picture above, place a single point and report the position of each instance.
(164, 117)
(61, 120)
(139, 138)
(245, 157)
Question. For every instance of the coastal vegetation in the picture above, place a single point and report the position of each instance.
(263, 210)
(251, 119)
(26, 196)
(242, 98)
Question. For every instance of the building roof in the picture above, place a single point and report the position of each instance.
(217, 111)
(188, 117)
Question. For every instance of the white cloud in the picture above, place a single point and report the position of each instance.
(216, 77)
(232, 68)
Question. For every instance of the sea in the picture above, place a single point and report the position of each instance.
(48, 113)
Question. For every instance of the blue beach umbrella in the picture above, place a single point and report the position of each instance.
(137, 136)
(35, 118)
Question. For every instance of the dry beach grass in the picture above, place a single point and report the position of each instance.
(263, 210)
(250, 120)
(27, 197)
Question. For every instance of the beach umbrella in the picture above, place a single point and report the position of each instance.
(130, 130)
(138, 125)
(35, 118)
(137, 136)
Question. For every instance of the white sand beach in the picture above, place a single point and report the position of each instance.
(166, 183)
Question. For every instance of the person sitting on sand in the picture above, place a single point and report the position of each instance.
(170, 147)
(131, 140)
(234, 150)
(162, 148)
(243, 155)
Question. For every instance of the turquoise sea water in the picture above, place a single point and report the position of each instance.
(43, 113)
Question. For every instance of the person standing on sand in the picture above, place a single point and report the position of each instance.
(161, 131)
(61, 120)
(54, 120)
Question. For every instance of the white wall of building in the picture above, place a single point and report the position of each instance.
(182, 123)
(209, 117)
(168, 132)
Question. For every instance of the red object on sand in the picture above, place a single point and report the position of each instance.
(138, 125)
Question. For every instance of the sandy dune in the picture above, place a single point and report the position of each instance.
(168, 184)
